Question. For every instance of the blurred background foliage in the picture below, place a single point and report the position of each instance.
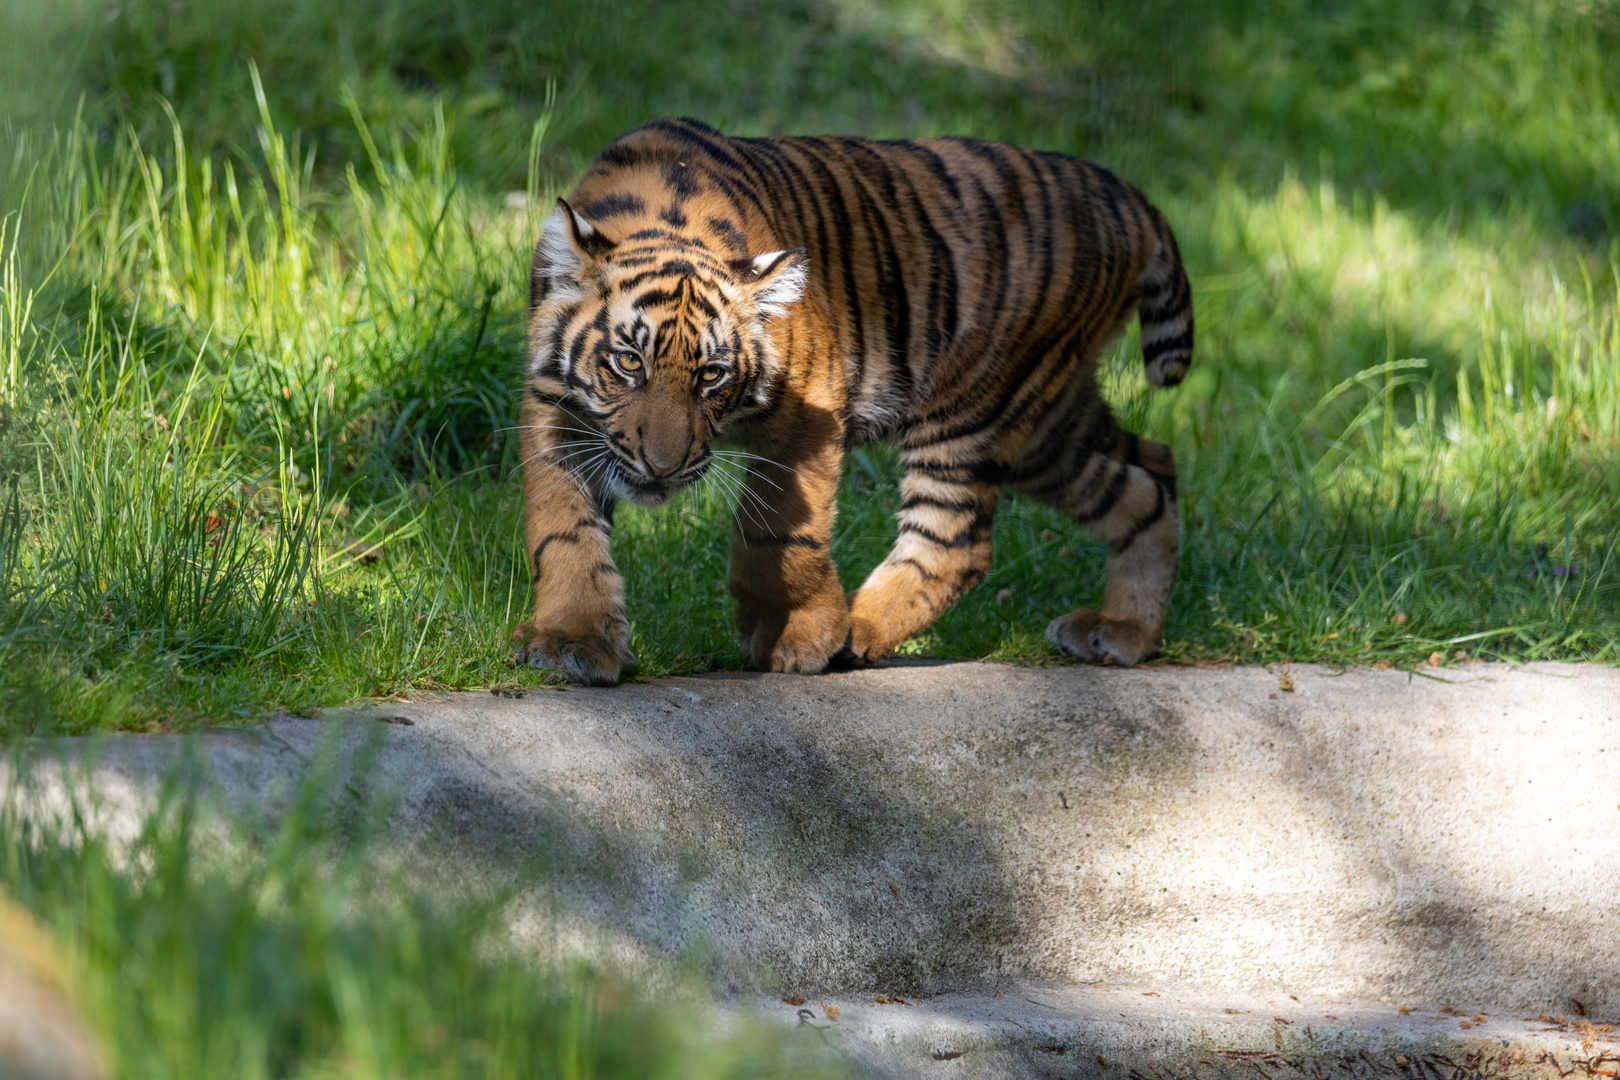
(1463, 106)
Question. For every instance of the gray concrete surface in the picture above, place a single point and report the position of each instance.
(1051, 1030)
(955, 830)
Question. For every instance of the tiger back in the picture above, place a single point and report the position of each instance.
(777, 301)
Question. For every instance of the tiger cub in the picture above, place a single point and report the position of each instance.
(796, 297)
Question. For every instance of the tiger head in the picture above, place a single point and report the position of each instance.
(657, 341)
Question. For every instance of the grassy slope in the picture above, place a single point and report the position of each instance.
(299, 320)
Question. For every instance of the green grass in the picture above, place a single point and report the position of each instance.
(264, 320)
(205, 947)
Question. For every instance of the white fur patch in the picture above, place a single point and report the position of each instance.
(773, 297)
(558, 260)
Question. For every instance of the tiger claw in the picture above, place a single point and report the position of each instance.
(588, 659)
(1090, 635)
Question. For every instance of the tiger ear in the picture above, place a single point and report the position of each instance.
(775, 278)
(568, 242)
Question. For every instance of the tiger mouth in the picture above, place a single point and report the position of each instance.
(644, 491)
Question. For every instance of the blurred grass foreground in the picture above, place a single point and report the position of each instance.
(262, 303)
(209, 945)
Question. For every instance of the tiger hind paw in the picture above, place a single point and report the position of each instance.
(1091, 635)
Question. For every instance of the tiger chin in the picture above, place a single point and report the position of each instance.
(796, 297)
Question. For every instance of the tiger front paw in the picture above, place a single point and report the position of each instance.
(590, 656)
(867, 644)
(799, 640)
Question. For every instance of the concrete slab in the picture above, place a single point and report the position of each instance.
(1029, 1030)
(1368, 836)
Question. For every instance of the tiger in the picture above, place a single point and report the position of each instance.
(797, 297)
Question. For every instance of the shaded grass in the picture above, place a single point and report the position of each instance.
(258, 380)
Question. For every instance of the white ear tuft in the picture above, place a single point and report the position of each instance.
(557, 260)
(558, 257)
(781, 276)
(584, 232)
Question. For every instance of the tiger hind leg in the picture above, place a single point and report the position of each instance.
(1124, 491)
(943, 548)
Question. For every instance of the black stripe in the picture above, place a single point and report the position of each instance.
(1109, 498)
(1182, 341)
(546, 541)
(673, 238)
(681, 180)
(1035, 462)
(984, 472)
(777, 540)
(1154, 309)
(613, 205)
(931, 161)
(922, 571)
(672, 267)
(620, 154)
(699, 134)
(897, 311)
(654, 298)
(911, 502)
(730, 235)
(1017, 213)
(846, 243)
(1120, 546)
(976, 532)
(1132, 445)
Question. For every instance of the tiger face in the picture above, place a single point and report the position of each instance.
(657, 343)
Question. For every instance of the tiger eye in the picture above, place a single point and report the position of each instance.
(710, 375)
(628, 361)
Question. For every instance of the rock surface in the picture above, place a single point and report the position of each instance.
(1030, 1030)
(961, 829)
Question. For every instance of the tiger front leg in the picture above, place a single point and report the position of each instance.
(944, 548)
(791, 612)
(579, 624)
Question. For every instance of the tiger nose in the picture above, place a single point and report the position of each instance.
(657, 464)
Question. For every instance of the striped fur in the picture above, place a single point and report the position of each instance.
(796, 297)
